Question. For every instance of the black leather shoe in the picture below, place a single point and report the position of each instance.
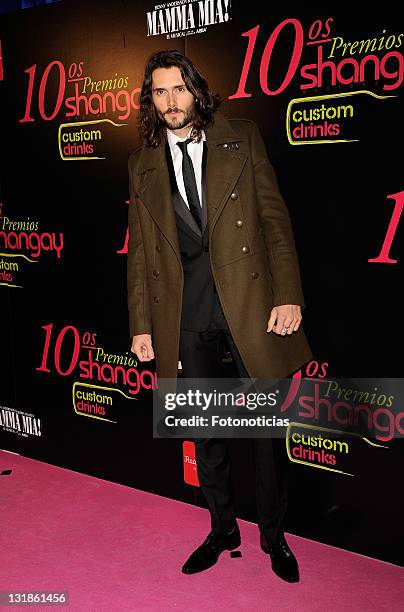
(208, 552)
(284, 562)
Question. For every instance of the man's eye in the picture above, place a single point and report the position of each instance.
(159, 91)
(181, 88)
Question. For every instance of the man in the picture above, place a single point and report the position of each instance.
(212, 264)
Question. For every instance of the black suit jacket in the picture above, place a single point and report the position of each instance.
(201, 308)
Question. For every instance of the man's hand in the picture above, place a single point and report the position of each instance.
(286, 316)
(142, 347)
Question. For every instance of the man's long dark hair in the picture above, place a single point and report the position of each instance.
(151, 127)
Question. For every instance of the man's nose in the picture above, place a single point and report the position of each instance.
(171, 99)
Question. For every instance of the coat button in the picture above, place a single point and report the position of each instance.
(254, 275)
(246, 249)
(234, 196)
(156, 273)
(158, 248)
(239, 223)
(156, 299)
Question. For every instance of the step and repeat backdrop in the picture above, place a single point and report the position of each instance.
(326, 90)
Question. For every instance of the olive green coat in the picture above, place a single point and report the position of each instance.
(252, 251)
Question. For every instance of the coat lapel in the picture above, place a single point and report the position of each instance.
(223, 170)
(223, 167)
(155, 192)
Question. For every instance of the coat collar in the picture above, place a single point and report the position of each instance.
(221, 132)
(224, 166)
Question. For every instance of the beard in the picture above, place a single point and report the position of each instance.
(177, 123)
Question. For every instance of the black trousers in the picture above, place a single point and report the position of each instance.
(201, 355)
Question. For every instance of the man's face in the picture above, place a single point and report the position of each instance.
(174, 103)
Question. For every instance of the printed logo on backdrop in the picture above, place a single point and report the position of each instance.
(22, 243)
(342, 421)
(1, 64)
(333, 424)
(100, 379)
(357, 74)
(186, 17)
(189, 463)
(22, 423)
(95, 107)
(384, 255)
(328, 449)
(372, 64)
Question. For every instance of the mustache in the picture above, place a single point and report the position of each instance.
(173, 109)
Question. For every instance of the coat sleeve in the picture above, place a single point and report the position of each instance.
(137, 286)
(276, 225)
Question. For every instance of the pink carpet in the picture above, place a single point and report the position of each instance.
(114, 548)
